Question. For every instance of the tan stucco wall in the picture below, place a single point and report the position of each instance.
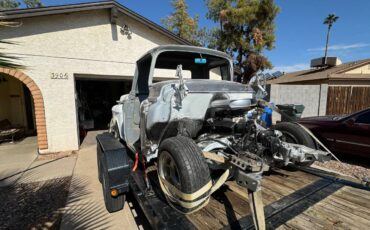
(361, 70)
(70, 44)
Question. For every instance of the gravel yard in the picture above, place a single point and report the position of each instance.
(36, 205)
(352, 168)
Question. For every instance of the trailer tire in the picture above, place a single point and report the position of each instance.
(182, 164)
(100, 176)
(112, 204)
(296, 135)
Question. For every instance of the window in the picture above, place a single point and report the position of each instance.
(215, 73)
(170, 73)
(143, 66)
(363, 119)
(214, 67)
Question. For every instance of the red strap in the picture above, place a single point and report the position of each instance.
(136, 161)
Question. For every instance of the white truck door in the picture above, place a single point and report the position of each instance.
(131, 118)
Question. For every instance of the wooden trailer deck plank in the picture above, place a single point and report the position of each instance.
(341, 204)
(304, 222)
(283, 184)
(214, 216)
(235, 205)
(351, 195)
(338, 217)
(334, 206)
(292, 200)
(268, 195)
(299, 176)
(325, 211)
(232, 201)
(359, 192)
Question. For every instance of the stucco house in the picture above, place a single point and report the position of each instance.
(76, 57)
(338, 89)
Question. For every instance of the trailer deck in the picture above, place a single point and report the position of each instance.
(293, 199)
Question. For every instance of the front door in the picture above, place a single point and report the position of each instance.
(131, 116)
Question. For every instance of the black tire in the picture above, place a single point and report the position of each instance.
(191, 168)
(112, 204)
(295, 134)
(100, 176)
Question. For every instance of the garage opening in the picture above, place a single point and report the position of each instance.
(17, 112)
(95, 98)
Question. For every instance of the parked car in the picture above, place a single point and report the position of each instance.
(343, 134)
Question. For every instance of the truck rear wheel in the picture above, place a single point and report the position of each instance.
(293, 133)
(181, 164)
(115, 131)
(112, 204)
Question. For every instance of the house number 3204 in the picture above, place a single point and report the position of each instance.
(63, 76)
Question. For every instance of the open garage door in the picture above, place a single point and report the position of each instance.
(95, 98)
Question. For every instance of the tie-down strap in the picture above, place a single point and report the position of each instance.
(199, 198)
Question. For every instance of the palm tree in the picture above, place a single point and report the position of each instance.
(329, 20)
(7, 61)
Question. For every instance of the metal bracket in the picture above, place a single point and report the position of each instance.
(251, 181)
(248, 164)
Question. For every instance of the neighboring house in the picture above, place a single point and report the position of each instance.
(78, 60)
(340, 89)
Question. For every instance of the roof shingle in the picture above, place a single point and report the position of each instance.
(335, 72)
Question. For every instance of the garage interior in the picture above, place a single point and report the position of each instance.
(95, 98)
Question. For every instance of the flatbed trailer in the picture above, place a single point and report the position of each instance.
(293, 198)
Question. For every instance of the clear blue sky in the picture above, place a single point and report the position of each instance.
(300, 33)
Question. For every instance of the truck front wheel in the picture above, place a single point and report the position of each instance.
(182, 165)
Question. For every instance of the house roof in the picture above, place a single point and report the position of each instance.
(332, 73)
(61, 9)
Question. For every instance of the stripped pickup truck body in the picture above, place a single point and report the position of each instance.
(201, 129)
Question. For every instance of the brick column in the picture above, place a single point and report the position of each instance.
(42, 139)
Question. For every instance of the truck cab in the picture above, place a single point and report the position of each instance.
(160, 97)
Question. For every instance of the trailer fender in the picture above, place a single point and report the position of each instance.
(114, 161)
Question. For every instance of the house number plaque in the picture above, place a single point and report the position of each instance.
(63, 76)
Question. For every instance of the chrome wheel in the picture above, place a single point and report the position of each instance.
(167, 169)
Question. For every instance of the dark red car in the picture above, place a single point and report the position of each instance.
(343, 134)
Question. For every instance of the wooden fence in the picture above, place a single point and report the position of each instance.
(347, 99)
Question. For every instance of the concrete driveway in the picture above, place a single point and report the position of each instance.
(15, 158)
(33, 191)
(85, 206)
(67, 187)
(19, 164)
